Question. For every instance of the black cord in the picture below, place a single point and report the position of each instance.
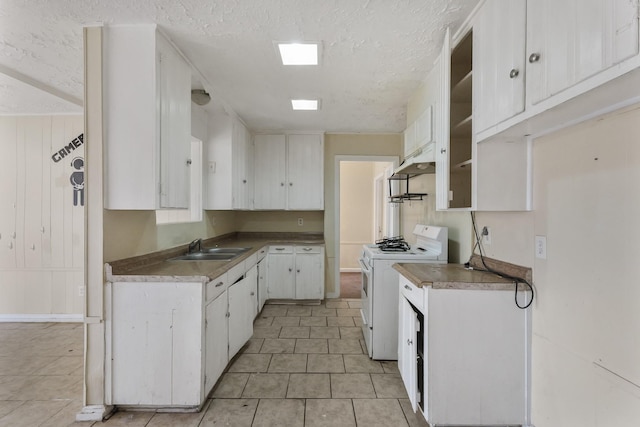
(516, 280)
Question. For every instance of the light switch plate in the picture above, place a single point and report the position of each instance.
(541, 247)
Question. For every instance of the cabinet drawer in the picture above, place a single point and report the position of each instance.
(236, 272)
(281, 249)
(216, 287)
(251, 260)
(308, 249)
(412, 293)
(262, 253)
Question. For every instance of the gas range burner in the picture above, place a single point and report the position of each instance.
(393, 244)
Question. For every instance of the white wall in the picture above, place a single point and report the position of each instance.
(586, 316)
(42, 267)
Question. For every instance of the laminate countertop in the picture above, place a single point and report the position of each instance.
(453, 276)
(157, 266)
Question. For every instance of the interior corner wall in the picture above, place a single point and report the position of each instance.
(586, 316)
(41, 218)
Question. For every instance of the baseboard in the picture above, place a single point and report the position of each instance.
(94, 412)
(16, 318)
(350, 270)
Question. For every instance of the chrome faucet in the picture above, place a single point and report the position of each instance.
(197, 243)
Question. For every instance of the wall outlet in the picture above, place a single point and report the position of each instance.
(486, 235)
(80, 291)
(541, 247)
(300, 222)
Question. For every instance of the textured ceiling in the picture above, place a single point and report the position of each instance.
(375, 53)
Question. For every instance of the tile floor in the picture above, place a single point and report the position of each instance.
(304, 366)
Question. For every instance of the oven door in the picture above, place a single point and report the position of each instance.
(367, 303)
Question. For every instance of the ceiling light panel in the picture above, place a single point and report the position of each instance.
(298, 53)
(305, 104)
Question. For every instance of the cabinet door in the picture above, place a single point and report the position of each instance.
(407, 350)
(242, 172)
(270, 172)
(241, 309)
(498, 62)
(280, 278)
(217, 340)
(410, 139)
(174, 77)
(443, 136)
(309, 276)
(262, 284)
(8, 187)
(305, 172)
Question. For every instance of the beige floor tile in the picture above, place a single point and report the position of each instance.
(286, 321)
(390, 367)
(33, 413)
(322, 311)
(324, 332)
(280, 413)
(294, 332)
(379, 413)
(287, 363)
(175, 420)
(336, 304)
(329, 413)
(231, 385)
(325, 363)
(262, 321)
(230, 412)
(357, 320)
(66, 417)
(51, 387)
(273, 310)
(253, 346)
(299, 311)
(351, 312)
(121, 419)
(344, 346)
(415, 419)
(7, 406)
(266, 386)
(266, 332)
(360, 363)
(251, 363)
(63, 365)
(363, 346)
(311, 346)
(340, 321)
(12, 384)
(355, 304)
(347, 332)
(11, 365)
(278, 345)
(388, 386)
(313, 321)
(309, 386)
(352, 386)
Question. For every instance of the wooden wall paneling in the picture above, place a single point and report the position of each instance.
(33, 192)
(45, 211)
(20, 192)
(59, 185)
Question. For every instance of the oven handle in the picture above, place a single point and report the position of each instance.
(363, 266)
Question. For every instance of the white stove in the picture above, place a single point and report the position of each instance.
(380, 286)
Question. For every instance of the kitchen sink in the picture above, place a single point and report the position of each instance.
(204, 256)
(236, 251)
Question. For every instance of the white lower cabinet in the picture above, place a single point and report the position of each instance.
(216, 339)
(242, 303)
(462, 355)
(295, 272)
(262, 284)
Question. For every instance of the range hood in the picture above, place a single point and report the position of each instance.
(422, 161)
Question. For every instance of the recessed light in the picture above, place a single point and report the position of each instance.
(298, 53)
(305, 104)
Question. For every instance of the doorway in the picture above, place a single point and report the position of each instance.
(363, 214)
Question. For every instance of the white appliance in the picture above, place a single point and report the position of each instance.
(380, 286)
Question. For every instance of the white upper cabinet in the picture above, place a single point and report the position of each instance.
(410, 140)
(571, 40)
(499, 32)
(147, 107)
(289, 172)
(228, 171)
(270, 171)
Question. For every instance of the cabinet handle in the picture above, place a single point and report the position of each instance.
(42, 229)
(189, 162)
(282, 184)
(290, 270)
(33, 247)
(219, 284)
(10, 245)
(534, 57)
(297, 271)
(253, 293)
(407, 287)
(279, 249)
(244, 181)
(443, 150)
(514, 73)
(409, 342)
(306, 249)
(291, 184)
(228, 314)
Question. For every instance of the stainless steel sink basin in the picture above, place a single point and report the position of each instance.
(204, 256)
(236, 251)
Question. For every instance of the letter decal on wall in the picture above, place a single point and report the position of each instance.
(62, 153)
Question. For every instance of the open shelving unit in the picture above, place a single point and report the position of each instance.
(461, 124)
(401, 196)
